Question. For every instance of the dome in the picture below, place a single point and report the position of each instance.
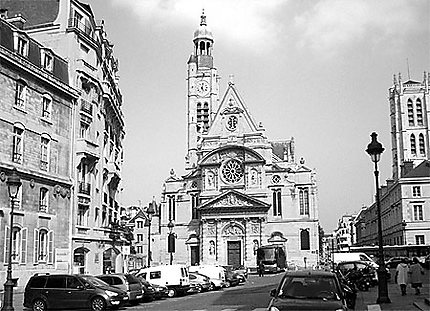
(203, 32)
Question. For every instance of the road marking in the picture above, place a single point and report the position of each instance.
(373, 308)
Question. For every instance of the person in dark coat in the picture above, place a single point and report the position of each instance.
(261, 269)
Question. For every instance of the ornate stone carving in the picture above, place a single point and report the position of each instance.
(211, 230)
(255, 229)
(233, 230)
(231, 200)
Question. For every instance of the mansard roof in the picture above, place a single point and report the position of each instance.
(422, 170)
(35, 12)
(233, 202)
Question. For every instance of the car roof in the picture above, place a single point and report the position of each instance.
(309, 273)
(354, 261)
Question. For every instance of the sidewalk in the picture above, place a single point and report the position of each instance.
(367, 300)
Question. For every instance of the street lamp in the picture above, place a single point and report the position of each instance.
(375, 149)
(13, 183)
(171, 240)
(404, 231)
(150, 211)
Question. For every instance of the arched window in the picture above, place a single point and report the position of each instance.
(304, 239)
(202, 48)
(413, 145)
(277, 202)
(422, 145)
(43, 200)
(43, 246)
(419, 108)
(411, 113)
(18, 143)
(304, 201)
(20, 94)
(44, 152)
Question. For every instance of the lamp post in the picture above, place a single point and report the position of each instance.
(13, 183)
(171, 240)
(375, 149)
(404, 232)
(150, 211)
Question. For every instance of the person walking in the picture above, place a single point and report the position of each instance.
(402, 276)
(416, 272)
(260, 268)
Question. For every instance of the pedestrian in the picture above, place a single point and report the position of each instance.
(261, 269)
(402, 276)
(416, 272)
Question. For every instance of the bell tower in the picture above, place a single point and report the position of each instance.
(202, 91)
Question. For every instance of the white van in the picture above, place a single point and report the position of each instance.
(214, 272)
(175, 277)
(339, 257)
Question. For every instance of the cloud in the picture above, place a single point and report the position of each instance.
(331, 25)
(245, 22)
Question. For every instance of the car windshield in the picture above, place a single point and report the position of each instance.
(309, 287)
(94, 281)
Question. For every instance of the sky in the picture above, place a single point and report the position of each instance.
(318, 71)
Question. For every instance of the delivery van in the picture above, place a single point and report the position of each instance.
(215, 273)
(359, 256)
(175, 277)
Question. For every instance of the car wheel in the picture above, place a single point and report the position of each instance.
(227, 284)
(171, 293)
(98, 304)
(39, 305)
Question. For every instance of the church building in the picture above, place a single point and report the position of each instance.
(240, 190)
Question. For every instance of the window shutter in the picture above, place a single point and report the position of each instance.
(51, 247)
(36, 246)
(6, 245)
(24, 245)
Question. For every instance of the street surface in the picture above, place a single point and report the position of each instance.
(254, 296)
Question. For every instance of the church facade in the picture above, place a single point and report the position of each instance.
(240, 190)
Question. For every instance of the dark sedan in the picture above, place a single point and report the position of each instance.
(308, 290)
(394, 261)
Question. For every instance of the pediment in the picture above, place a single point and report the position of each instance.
(232, 117)
(234, 201)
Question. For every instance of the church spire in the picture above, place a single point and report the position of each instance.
(203, 18)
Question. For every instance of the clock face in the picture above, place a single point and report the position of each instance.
(202, 88)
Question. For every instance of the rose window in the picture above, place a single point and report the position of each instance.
(232, 171)
(232, 123)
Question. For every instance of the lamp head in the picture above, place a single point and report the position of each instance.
(13, 183)
(375, 149)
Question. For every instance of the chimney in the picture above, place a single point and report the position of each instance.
(407, 167)
(18, 21)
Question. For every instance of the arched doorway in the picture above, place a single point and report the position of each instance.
(80, 260)
(233, 235)
(109, 260)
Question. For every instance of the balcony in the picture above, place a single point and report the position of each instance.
(84, 188)
(88, 148)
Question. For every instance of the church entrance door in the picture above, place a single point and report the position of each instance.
(195, 258)
(233, 253)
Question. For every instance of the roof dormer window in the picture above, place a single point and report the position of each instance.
(47, 59)
(21, 44)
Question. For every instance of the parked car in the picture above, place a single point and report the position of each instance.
(242, 272)
(160, 291)
(394, 261)
(309, 290)
(200, 280)
(175, 277)
(215, 273)
(231, 277)
(347, 266)
(149, 292)
(427, 262)
(68, 291)
(126, 282)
